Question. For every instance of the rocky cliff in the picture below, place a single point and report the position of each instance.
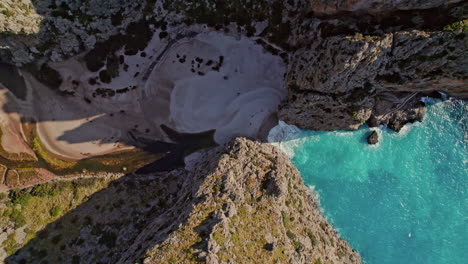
(340, 82)
(253, 208)
(242, 203)
(349, 62)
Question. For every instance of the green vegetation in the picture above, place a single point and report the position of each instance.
(19, 197)
(56, 211)
(460, 26)
(24, 165)
(286, 220)
(9, 244)
(40, 205)
(367, 38)
(250, 249)
(26, 8)
(54, 162)
(136, 38)
(7, 13)
(313, 239)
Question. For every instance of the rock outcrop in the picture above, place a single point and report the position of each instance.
(240, 203)
(339, 82)
(373, 138)
(344, 57)
(59, 29)
(253, 208)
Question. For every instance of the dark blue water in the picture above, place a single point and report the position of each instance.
(401, 201)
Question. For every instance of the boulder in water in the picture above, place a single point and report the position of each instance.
(373, 138)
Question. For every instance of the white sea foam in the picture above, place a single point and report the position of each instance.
(286, 137)
(344, 133)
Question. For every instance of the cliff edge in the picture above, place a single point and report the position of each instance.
(240, 203)
(252, 207)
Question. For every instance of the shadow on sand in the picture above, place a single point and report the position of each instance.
(136, 209)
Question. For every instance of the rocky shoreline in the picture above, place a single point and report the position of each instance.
(240, 203)
(340, 74)
(348, 63)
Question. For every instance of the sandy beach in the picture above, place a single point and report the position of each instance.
(217, 82)
(195, 84)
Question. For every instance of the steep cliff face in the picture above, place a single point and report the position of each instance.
(240, 203)
(252, 207)
(58, 29)
(339, 82)
(371, 61)
(243, 203)
(349, 61)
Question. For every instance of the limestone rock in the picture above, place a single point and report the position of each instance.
(373, 138)
(325, 112)
(275, 218)
(59, 29)
(395, 116)
(338, 81)
(19, 17)
(231, 204)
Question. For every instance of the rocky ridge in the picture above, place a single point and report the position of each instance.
(343, 71)
(239, 203)
(257, 210)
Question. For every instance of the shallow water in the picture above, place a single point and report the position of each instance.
(401, 201)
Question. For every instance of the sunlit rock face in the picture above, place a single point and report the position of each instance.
(339, 82)
(19, 17)
(217, 82)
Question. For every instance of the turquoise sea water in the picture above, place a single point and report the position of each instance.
(401, 201)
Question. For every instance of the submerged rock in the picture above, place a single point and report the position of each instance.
(373, 138)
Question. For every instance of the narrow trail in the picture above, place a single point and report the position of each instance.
(401, 104)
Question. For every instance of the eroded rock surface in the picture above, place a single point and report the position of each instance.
(341, 57)
(373, 138)
(340, 81)
(240, 203)
(252, 206)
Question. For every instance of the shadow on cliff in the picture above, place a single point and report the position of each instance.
(180, 145)
(134, 39)
(135, 213)
(120, 223)
(16, 100)
(136, 36)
